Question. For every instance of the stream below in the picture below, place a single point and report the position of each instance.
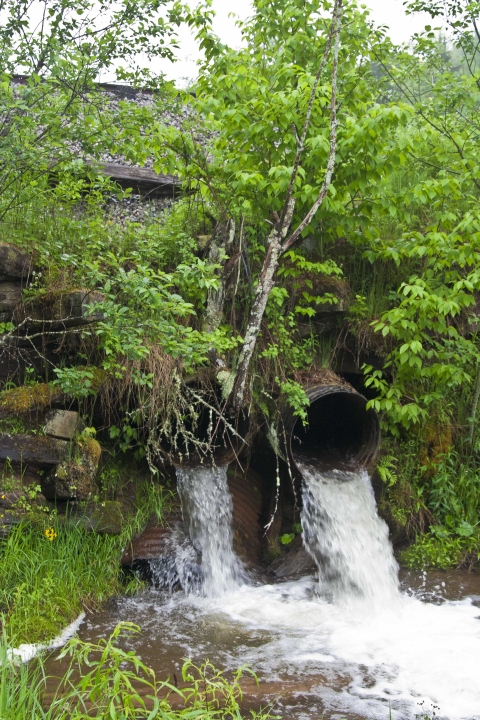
(359, 640)
(313, 658)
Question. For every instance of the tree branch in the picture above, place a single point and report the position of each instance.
(277, 244)
(333, 144)
(301, 141)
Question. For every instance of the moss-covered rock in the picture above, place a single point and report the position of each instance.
(107, 517)
(75, 479)
(29, 399)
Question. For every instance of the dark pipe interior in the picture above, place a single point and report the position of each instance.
(340, 430)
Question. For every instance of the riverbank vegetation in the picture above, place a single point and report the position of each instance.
(328, 220)
(107, 681)
(52, 568)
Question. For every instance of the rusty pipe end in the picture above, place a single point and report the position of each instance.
(340, 431)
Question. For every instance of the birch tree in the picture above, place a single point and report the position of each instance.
(285, 134)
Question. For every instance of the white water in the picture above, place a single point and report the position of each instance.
(360, 645)
(27, 651)
(207, 511)
(397, 659)
(347, 539)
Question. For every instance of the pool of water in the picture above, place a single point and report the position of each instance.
(315, 659)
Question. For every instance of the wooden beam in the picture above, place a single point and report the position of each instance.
(142, 180)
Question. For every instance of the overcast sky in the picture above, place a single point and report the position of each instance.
(384, 12)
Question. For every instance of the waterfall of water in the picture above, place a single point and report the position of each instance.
(346, 538)
(207, 510)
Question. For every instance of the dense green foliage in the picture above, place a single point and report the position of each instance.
(396, 238)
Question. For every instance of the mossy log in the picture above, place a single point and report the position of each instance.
(28, 399)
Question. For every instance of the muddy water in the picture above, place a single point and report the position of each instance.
(312, 657)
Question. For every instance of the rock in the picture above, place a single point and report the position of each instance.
(20, 499)
(106, 517)
(14, 262)
(76, 306)
(10, 499)
(74, 479)
(10, 297)
(62, 424)
(294, 564)
(65, 308)
(68, 481)
(16, 475)
(8, 520)
(33, 448)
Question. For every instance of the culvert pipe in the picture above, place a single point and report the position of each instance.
(340, 431)
(223, 432)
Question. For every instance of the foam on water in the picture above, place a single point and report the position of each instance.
(374, 650)
(414, 652)
(207, 510)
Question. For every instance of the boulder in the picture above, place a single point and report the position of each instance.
(10, 297)
(8, 520)
(21, 499)
(74, 479)
(106, 518)
(62, 424)
(68, 481)
(9, 499)
(14, 262)
(33, 448)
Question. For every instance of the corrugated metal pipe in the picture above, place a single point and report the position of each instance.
(221, 432)
(340, 431)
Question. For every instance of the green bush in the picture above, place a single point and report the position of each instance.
(433, 551)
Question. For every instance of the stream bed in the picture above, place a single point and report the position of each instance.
(356, 641)
(315, 659)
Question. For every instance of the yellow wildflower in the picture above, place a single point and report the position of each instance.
(50, 533)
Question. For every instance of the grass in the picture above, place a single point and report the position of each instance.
(45, 583)
(51, 570)
(107, 682)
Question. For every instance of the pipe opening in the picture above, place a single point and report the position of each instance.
(209, 433)
(340, 431)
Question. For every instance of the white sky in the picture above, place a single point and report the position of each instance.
(383, 12)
